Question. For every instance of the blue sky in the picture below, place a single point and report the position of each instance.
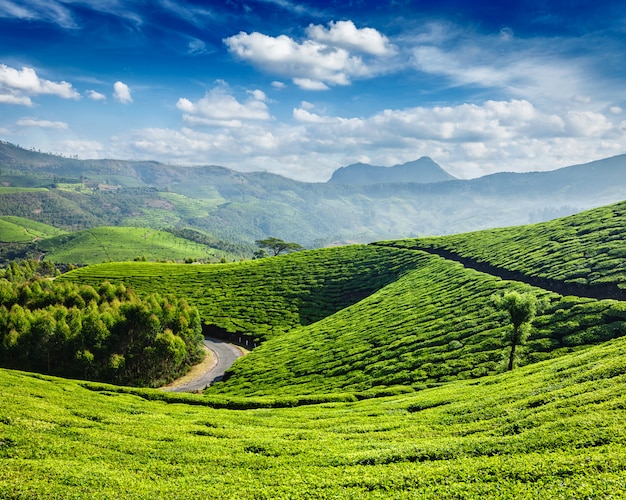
(301, 88)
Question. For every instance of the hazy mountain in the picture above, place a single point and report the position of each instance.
(422, 171)
(242, 207)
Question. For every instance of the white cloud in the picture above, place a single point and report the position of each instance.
(17, 86)
(323, 60)
(96, 96)
(40, 10)
(616, 110)
(197, 47)
(542, 70)
(302, 115)
(468, 139)
(121, 92)
(59, 11)
(308, 84)
(278, 85)
(587, 123)
(32, 122)
(346, 35)
(220, 108)
(81, 148)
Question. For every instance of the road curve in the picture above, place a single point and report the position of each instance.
(225, 355)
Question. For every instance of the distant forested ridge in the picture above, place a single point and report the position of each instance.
(242, 207)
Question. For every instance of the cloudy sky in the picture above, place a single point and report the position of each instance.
(300, 88)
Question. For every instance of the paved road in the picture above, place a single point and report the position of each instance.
(225, 354)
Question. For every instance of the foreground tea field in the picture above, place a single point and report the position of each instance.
(550, 430)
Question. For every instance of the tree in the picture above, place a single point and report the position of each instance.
(521, 308)
(278, 246)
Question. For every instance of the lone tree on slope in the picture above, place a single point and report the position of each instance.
(521, 308)
(278, 246)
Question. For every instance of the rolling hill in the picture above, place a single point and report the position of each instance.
(379, 376)
(367, 317)
(553, 429)
(102, 244)
(21, 230)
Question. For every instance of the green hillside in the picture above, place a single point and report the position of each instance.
(435, 324)
(366, 317)
(21, 230)
(378, 377)
(265, 297)
(124, 243)
(550, 430)
(588, 248)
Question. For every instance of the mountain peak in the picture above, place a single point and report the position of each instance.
(421, 171)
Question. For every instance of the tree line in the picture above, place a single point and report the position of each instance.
(103, 333)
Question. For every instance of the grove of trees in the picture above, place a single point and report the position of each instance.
(104, 333)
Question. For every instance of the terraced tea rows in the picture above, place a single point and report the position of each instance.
(435, 324)
(266, 297)
(588, 248)
(550, 430)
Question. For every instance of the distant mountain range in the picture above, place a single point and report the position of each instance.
(242, 207)
(422, 171)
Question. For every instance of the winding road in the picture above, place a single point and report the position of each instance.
(224, 355)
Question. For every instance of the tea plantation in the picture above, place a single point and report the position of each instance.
(554, 429)
(587, 248)
(381, 374)
(269, 296)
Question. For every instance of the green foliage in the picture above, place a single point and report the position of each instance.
(521, 309)
(265, 297)
(587, 248)
(99, 334)
(434, 324)
(21, 230)
(554, 429)
(278, 246)
(104, 244)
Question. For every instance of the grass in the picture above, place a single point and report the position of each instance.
(550, 430)
(13, 190)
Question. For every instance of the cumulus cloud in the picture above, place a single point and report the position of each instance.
(322, 60)
(467, 139)
(346, 35)
(17, 86)
(96, 96)
(121, 92)
(219, 108)
(32, 122)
